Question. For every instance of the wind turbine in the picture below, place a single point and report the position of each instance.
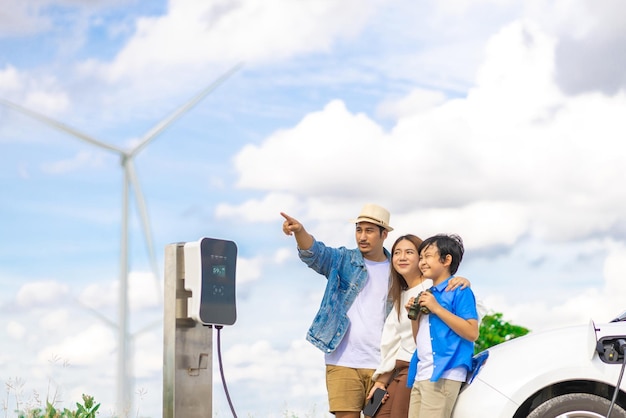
(130, 180)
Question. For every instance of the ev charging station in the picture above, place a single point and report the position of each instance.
(199, 295)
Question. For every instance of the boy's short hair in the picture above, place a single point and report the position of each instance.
(447, 244)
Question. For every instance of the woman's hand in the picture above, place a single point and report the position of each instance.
(378, 385)
(409, 304)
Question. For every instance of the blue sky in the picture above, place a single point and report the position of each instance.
(501, 121)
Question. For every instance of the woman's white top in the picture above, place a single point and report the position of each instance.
(397, 342)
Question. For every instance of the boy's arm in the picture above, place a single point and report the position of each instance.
(465, 328)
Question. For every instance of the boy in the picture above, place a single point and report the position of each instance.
(444, 337)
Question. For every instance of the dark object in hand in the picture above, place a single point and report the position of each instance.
(372, 406)
(417, 307)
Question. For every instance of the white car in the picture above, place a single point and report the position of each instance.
(568, 372)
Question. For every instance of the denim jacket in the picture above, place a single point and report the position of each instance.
(346, 273)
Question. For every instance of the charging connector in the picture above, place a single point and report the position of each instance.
(611, 349)
(611, 354)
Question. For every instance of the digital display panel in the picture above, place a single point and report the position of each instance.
(218, 258)
(219, 270)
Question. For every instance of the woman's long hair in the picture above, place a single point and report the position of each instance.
(398, 283)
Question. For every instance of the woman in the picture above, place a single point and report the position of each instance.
(397, 343)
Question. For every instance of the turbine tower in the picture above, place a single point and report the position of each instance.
(129, 181)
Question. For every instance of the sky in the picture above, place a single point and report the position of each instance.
(501, 121)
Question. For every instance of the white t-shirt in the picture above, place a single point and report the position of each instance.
(360, 347)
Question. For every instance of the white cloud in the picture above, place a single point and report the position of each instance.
(615, 271)
(10, 79)
(45, 97)
(87, 347)
(482, 224)
(22, 17)
(37, 294)
(588, 20)
(16, 330)
(341, 140)
(283, 254)
(266, 209)
(83, 159)
(588, 302)
(248, 269)
(418, 101)
(148, 359)
(143, 292)
(513, 126)
(54, 320)
(36, 93)
(518, 71)
(300, 375)
(195, 33)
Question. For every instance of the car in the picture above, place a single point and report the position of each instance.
(566, 372)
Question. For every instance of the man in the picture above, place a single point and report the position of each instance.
(349, 323)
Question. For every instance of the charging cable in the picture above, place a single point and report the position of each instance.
(622, 345)
(219, 357)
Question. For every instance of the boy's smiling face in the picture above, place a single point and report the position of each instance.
(431, 265)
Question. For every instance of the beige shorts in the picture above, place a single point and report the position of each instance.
(433, 399)
(347, 388)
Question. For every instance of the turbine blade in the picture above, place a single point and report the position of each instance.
(97, 314)
(145, 222)
(161, 126)
(60, 126)
(154, 324)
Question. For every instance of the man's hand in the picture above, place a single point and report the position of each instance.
(291, 225)
(455, 282)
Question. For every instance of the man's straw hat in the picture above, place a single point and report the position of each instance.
(374, 214)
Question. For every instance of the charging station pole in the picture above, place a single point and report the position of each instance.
(187, 347)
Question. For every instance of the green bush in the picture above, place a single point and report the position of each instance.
(494, 330)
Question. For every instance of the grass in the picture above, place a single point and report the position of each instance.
(33, 406)
(19, 402)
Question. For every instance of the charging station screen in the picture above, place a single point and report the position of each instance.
(217, 303)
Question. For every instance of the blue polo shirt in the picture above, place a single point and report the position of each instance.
(449, 349)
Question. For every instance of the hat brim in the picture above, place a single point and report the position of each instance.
(372, 221)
